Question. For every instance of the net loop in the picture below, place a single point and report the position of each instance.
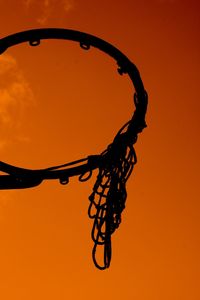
(84, 46)
(64, 180)
(85, 176)
(34, 43)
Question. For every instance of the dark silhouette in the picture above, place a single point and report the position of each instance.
(115, 164)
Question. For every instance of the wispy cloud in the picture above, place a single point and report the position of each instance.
(47, 9)
(15, 96)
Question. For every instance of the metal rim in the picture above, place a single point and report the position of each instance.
(17, 178)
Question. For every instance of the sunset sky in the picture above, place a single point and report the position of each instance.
(59, 103)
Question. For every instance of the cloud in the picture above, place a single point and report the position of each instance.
(47, 9)
(15, 96)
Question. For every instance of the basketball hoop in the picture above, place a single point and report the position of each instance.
(114, 164)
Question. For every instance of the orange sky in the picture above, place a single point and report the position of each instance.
(59, 103)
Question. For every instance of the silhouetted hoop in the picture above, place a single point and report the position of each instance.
(115, 164)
